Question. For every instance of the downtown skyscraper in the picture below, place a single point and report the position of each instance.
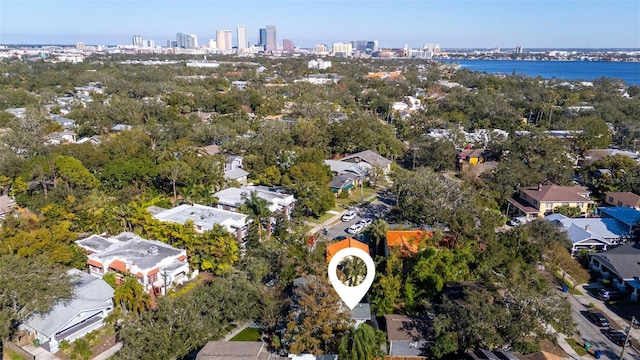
(223, 39)
(272, 41)
(243, 37)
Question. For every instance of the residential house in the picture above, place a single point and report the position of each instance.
(205, 217)
(57, 138)
(94, 140)
(626, 198)
(406, 336)
(238, 175)
(627, 216)
(542, 200)
(360, 314)
(370, 157)
(620, 265)
(593, 155)
(240, 350)
(591, 233)
(73, 319)
(121, 127)
(334, 247)
(158, 266)
(410, 242)
(343, 183)
(66, 123)
(7, 205)
(233, 162)
(278, 202)
(471, 157)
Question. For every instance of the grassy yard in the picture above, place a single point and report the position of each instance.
(356, 197)
(248, 334)
(574, 344)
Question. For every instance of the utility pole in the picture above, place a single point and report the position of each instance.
(624, 345)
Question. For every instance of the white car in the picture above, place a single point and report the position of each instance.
(365, 222)
(348, 216)
(518, 221)
(355, 229)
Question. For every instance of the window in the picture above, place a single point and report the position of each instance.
(611, 199)
(535, 202)
(153, 278)
(619, 203)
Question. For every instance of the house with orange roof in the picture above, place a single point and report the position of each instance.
(333, 248)
(156, 265)
(410, 242)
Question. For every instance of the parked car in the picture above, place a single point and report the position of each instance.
(350, 215)
(597, 318)
(607, 295)
(355, 228)
(365, 222)
(521, 220)
(617, 337)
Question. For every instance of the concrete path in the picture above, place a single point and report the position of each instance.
(40, 353)
(107, 354)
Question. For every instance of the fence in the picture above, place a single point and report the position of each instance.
(9, 346)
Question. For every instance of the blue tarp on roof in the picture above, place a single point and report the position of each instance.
(626, 215)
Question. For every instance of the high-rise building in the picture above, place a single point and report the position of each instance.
(181, 40)
(192, 41)
(320, 48)
(149, 44)
(434, 48)
(262, 40)
(287, 45)
(223, 39)
(243, 40)
(372, 46)
(213, 44)
(137, 40)
(341, 49)
(359, 45)
(272, 40)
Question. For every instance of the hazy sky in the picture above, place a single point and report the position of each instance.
(451, 23)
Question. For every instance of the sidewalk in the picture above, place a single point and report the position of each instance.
(585, 299)
(107, 354)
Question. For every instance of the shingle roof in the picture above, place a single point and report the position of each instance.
(237, 350)
(556, 193)
(622, 260)
(626, 197)
(370, 157)
(91, 295)
(340, 181)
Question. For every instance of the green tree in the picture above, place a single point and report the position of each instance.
(30, 285)
(363, 343)
(74, 174)
(318, 324)
(258, 210)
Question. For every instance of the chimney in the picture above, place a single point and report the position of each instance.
(539, 186)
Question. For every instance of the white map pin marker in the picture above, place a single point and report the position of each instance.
(351, 295)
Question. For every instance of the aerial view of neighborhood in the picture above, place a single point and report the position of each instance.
(245, 195)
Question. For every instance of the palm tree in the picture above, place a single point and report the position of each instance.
(258, 209)
(363, 343)
(123, 295)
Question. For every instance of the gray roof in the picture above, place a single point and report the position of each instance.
(341, 167)
(203, 217)
(603, 229)
(361, 312)
(91, 295)
(235, 174)
(128, 247)
(235, 197)
(238, 350)
(622, 260)
(340, 181)
(370, 157)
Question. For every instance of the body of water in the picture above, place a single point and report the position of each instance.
(570, 70)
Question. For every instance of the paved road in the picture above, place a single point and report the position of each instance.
(589, 332)
(376, 209)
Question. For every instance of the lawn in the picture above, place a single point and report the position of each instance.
(574, 344)
(248, 334)
(356, 197)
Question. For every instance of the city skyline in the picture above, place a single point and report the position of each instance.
(453, 24)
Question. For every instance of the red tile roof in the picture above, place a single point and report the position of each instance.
(333, 248)
(94, 263)
(408, 240)
(154, 271)
(118, 265)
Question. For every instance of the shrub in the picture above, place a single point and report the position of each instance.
(525, 347)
